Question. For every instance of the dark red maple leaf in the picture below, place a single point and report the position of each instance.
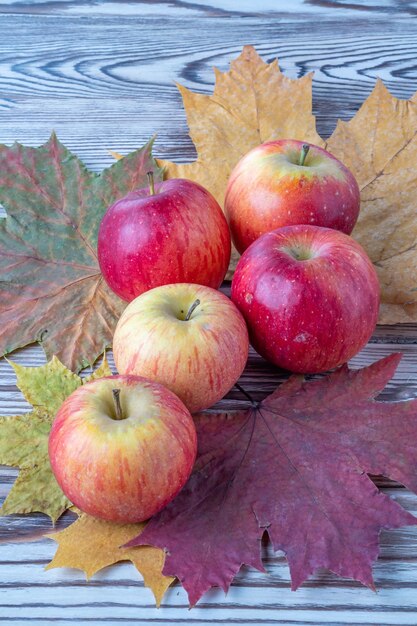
(294, 465)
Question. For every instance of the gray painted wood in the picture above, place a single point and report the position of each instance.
(102, 74)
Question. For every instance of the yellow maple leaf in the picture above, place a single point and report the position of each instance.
(89, 544)
(252, 103)
(379, 145)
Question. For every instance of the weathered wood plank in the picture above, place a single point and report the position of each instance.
(118, 593)
(49, 78)
(29, 594)
(211, 8)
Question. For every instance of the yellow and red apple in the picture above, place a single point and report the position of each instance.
(190, 338)
(122, 447)
(287, 182)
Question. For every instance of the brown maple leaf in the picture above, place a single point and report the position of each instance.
(51, 288)
(254, 102)
(379, 145)
(295, 465)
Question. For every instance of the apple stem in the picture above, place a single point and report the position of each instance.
(191, 309)
(246, 394)
(151, 183)
(117, 405)
(304, 152)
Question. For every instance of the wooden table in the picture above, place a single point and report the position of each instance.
(102, 75)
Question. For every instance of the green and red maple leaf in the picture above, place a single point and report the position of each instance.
(51, 288)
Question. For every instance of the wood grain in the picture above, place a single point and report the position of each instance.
(102, 75)
(117, 596)
(112, 85)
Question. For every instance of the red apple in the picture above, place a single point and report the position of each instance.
(309, 295)
(172, 232)
(286, 182)
(190, 338)
(122, 447)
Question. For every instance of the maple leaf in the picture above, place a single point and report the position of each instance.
(379, 145)
(295, 466)
(24, 438)
(90, 544)
(51, 289)
(252, 103)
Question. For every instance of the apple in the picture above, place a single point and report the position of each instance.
(309, 295)
(190, 338)
(287, 182)
(122, 447)
(173, 232)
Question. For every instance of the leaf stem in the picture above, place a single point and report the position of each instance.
(151, 183)
(191, 309)
(117, 405)
(304, 152)
(246, 394)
